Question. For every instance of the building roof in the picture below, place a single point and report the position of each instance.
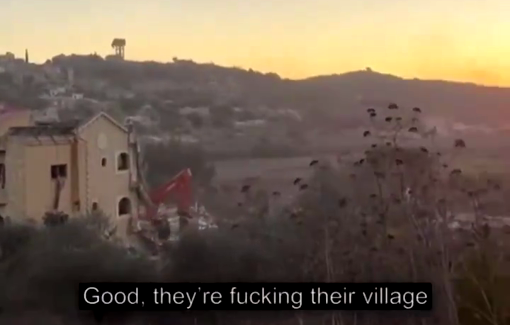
(52, 129)
(43, 130)
(119, 42)
(8, 111)
(88, 122)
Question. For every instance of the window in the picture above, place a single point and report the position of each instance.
(58, 171)
(2, 176)
(124, 206)
(95, 206)
(103, 162)
(123, 162)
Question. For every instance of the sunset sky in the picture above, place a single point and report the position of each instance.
(466, 40)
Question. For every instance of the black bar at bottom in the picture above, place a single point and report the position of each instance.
(255, 296)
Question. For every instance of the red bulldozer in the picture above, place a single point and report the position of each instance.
(154, 226)
(178, 188)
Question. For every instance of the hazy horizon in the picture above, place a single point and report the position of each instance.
(440, 40)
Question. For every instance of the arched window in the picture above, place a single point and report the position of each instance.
(95, 206)
(103, 162)
(123, 161)
(124, 206)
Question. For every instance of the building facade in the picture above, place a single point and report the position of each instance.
(74, 169)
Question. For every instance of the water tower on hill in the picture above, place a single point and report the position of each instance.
(119, 44)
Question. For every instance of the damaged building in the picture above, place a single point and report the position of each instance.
(73, 168)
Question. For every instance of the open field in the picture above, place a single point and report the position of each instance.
(276, 171)
(278, 174)
(269, 175)
(280, 168)
(284, 169)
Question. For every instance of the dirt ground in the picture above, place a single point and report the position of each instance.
(278, 174)
(275, 174)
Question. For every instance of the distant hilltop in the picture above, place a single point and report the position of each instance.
(342, 95)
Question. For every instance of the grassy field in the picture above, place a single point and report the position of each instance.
(277, 172)
(282, 170)
(486, 164)
(268, 175)
(285, 168)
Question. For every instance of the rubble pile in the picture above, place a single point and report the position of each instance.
(151, 235)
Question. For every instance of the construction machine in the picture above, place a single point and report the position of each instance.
(156, 222)
(179, 187)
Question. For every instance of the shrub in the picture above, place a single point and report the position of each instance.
(52, 261)
(253, 252)
(386, 216)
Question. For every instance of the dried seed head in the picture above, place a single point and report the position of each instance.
(459, 143)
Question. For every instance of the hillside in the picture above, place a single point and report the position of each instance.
(231, 109)
(340, 95)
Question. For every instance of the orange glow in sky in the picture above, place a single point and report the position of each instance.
(466, 40)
